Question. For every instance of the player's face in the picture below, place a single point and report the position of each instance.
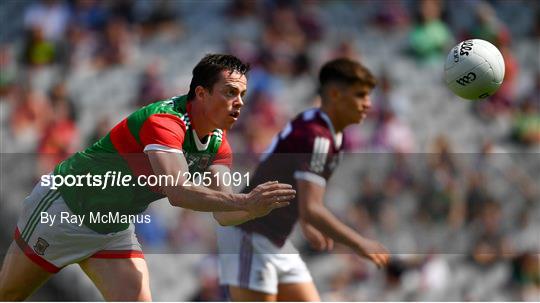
(226, 99)
(354, 103)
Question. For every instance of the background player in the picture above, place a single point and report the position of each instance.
(257, 261)
(154, 140)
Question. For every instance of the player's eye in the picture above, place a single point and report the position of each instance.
(231, 93)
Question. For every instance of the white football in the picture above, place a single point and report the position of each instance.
(474, 69)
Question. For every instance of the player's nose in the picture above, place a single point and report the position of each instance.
(366, 104)
(239, 102)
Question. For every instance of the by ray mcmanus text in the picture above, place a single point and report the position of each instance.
(93, 218)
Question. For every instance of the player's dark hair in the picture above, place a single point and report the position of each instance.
(206, 73)
(346, 71)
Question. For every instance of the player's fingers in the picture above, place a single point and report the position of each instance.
(277, 186)
(265, 185)
(377, 260)
(380, 260)
(329, 243)
(279, 204)
(285, 198)
(386, 259)
(318, 246)
(374, 259)
(317, 242)
(280, 193)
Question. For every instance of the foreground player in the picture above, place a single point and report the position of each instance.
(257, 261)
(154, 140)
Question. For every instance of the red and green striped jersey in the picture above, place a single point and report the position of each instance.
(163, 125)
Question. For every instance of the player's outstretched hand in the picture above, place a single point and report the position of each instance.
(268, 196)
(374, 251)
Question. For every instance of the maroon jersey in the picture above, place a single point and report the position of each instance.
(308, 149)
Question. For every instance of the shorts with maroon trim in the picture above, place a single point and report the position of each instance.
(55, 244)
(251, 261)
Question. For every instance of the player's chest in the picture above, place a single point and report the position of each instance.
(199, 155)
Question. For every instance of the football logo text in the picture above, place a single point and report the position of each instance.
(468, 78)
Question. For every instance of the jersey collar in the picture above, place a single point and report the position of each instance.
(198, 143)
(338, 137)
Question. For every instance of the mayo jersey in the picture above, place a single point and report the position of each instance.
(163, 125)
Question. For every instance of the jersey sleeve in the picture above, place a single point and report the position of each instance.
(163, 132)
(311, 161)
(224, 154)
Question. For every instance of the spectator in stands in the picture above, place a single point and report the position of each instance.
(153, 235)
(476, 196)
(371, 198)
(526, 120)
(160, 21)
(124, 9)
(283, 39)
(30, 116)
(392, 134)
(346, 49)
(9, 73)
(430, 37)
(103, 126)
(391, 16)
(439, 193)
(490, 28)
(38, 50)
(269, 119)
(151, 87)
(60, 137)
(51, 16)
(190, 234)
(490, 234)
(77, 49)
(209, 288)
(526, 124)
(526, 276)
(116, 46)
(89, 14)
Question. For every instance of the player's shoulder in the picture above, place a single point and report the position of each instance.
(163, 110)
(175, 105)
(311, 123)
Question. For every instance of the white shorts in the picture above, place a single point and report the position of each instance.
(53, 245)
(252, 261)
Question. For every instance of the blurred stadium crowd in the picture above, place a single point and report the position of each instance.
(450, 186)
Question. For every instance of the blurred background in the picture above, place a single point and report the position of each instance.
(449, 186)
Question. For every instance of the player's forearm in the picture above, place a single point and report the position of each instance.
(203, 199)
(184, 193)
(324, 221)
(232, 217)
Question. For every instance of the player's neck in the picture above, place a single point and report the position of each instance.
(201, 125)
(338, 128)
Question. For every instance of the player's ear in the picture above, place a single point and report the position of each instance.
(200, 92)
(334, 91)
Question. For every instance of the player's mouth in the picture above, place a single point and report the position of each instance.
(363, 114)
(235, 114)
